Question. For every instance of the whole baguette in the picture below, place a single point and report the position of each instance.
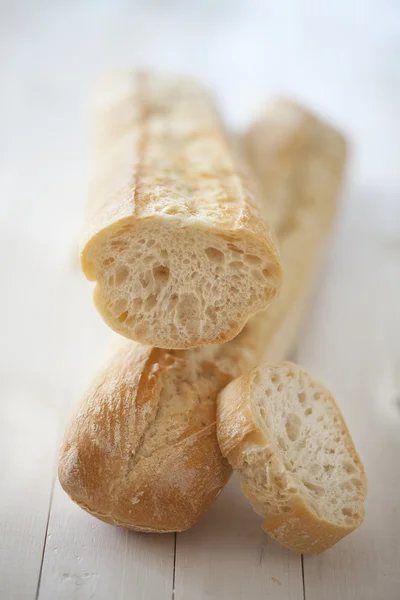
(141, 450)
(285, 435)
(175, 237)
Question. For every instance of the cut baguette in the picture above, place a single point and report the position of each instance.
(141, 449)
(285, 434)
(175, 235)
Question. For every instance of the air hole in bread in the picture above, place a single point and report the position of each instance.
(122, 317)
(108, 261)
(349, 467)
(266, 273)
(346, 485)
(120, 306)
(161, 274)
(170, 210)
(347, 512)
(293, 426)
(280, 387)
(286, 509)
(119, 244)
(251, 259)
(356, 482)
(215, 255)
(302, 397)
(150, 302)
(280, 481)
(150, 243)
(187, 311)
(308, 412)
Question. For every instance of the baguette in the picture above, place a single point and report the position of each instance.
(285, 434)
(141, 450)
(175, 235)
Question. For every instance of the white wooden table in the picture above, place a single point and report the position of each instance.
(344, 64)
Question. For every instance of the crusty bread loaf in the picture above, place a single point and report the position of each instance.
(175, 238)
(287, 131)
(285, 434)
(141, 450)
(302, 203)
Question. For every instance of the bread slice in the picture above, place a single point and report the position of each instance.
(141, 450)
(175, 233)
(285, 434)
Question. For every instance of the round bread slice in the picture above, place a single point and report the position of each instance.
(285, 434)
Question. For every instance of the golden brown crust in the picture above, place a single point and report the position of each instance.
(100, 464)
(235, 418)
(303, 532)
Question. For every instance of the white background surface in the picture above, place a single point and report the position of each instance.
(343, 60)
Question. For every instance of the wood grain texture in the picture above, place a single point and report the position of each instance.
(85, 558)
(352, 343)
(228, 556)
(29, 413)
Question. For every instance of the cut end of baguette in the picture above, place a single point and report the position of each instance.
(297, 461)
(175, 287)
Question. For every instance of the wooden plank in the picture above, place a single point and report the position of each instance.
(86, 558)
(29, 408)
(352, 344)
(227, 556)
